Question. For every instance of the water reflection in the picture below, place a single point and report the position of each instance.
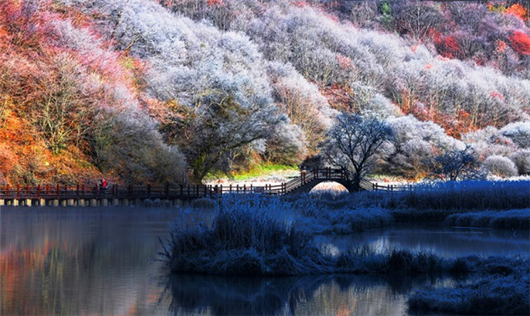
(309, 295)
(447, 242)
(81, 261)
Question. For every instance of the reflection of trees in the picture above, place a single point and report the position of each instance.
(324, 294)
(76, 262)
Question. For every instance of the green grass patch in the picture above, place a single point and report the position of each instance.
(267, 169)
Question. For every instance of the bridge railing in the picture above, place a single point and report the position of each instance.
(180, 191)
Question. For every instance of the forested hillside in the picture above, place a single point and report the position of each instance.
(146, 91)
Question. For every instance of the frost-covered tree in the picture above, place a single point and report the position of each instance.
(305, 106)
(216, 128)
(353, 143)
(127, 143)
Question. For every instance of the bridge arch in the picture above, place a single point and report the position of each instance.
(309, 186)
(329, 186)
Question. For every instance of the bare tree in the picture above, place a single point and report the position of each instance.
(456, 164)
(353, 143)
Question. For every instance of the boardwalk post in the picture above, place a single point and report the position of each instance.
(58, 191)
(237, 188)
(244, 188)
(18, 191)
(221, 189)
(251, 188)
(230, 188)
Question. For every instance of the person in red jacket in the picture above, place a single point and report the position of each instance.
(103, 184)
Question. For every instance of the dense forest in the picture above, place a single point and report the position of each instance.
(168, 91)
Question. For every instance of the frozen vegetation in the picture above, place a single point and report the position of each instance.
(505, 292)
(464, 195)
(244, 240)
(513, 219)
(258, 237)
(269, 236)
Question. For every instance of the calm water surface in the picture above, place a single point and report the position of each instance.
(99, 261)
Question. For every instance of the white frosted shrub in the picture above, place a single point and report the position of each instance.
(490, 141)
(521, 158)
(500, 166)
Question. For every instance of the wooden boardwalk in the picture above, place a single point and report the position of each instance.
(81, 195)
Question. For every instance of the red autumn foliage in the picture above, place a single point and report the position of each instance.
(300, 3)
(213, 3)
(344, 62)
(497, 95)
(339, 97)
(520, 42)
(449, 47)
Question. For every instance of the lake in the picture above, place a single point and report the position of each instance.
(101, 261)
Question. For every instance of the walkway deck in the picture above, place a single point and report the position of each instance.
(81, 195)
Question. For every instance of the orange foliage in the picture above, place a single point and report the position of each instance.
(500, 46)
(518, 10)
(455, 125)
(520, 42)
(27, 52)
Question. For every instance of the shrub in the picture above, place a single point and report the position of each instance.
(513, 219)
(244, 240)
(500, 166)
(463, 195)
(520, 42)
(521, 159)
(491, 296)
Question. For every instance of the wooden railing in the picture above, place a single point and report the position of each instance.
(62, 192)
